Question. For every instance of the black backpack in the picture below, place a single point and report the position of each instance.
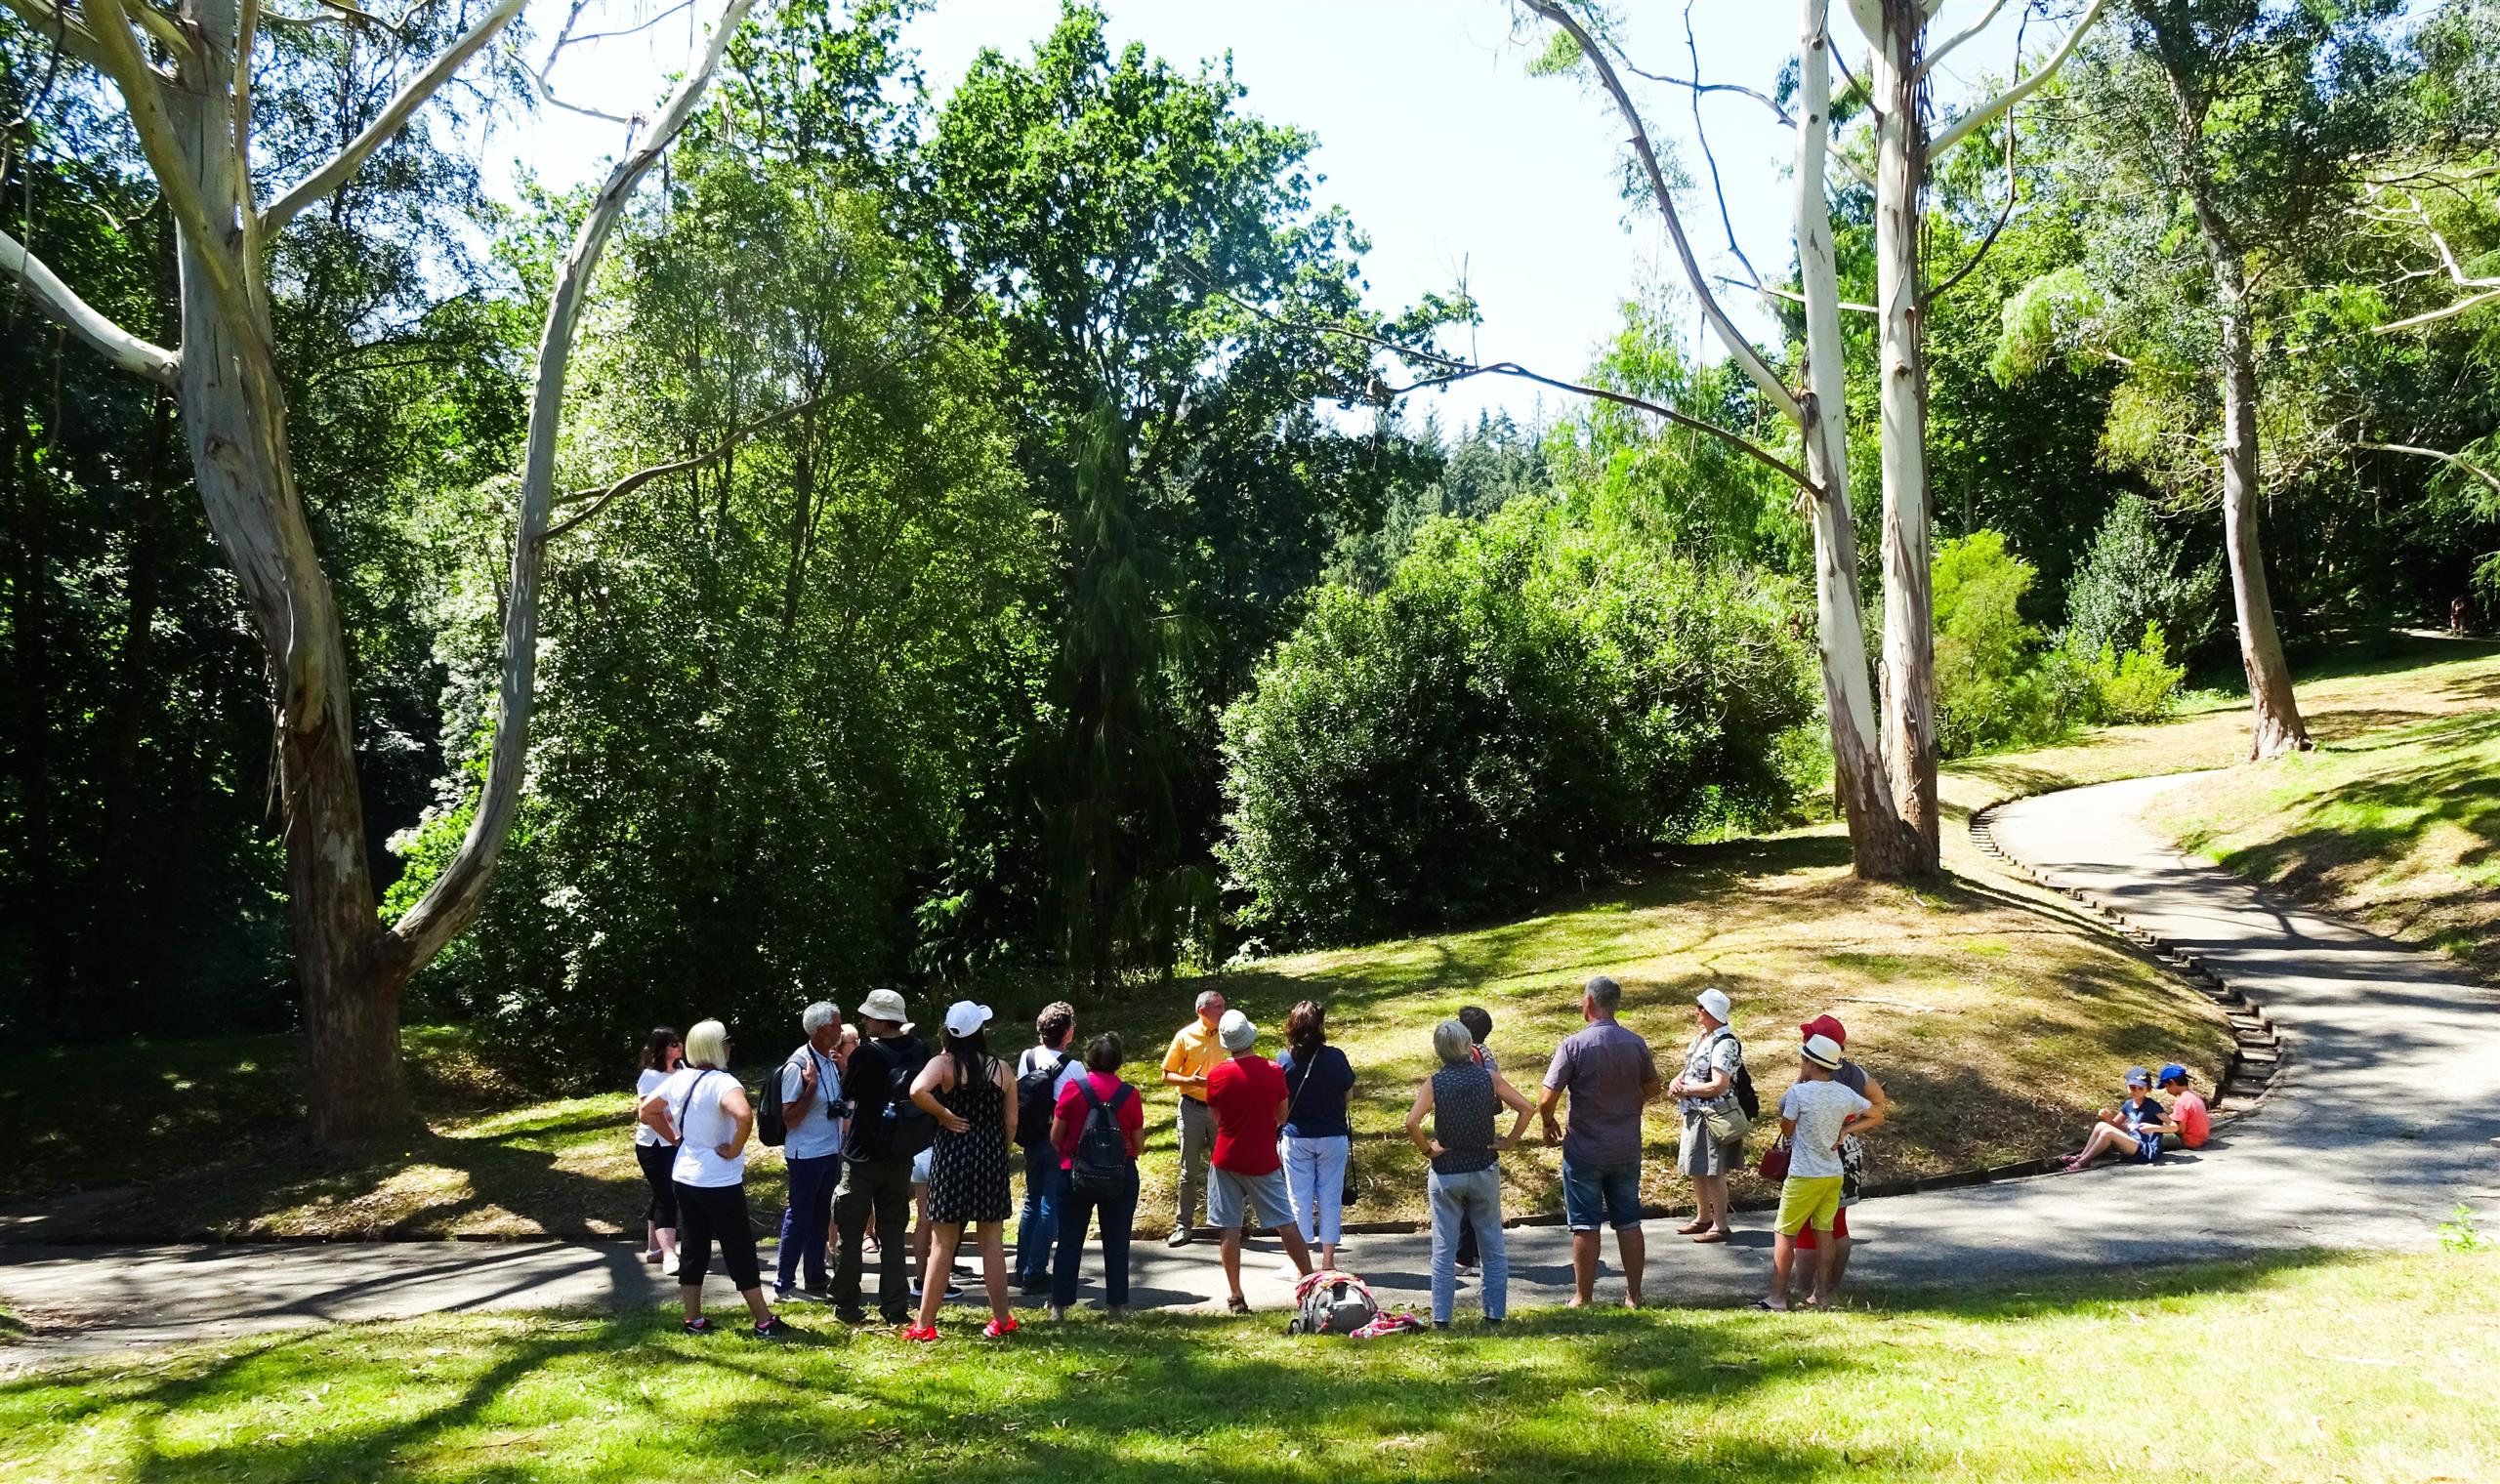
(1036, 1106)
(1100, 1167)
(904, 1130)
(769, 1124)
(1747, 1100)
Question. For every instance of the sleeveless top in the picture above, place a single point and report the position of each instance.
(1463, 1105)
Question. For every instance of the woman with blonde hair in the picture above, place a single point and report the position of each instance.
(703, 1111)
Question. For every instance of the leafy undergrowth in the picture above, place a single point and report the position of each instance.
(2303, 1368)
(2421, 680)
(2399, 830)
(1996, 1028)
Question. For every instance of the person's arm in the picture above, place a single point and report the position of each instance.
(794, 1105)
(1062, 1127)
(1877, 1109)
(924, 1088)
(1415, 1117)
(1518, 1104)
(1719, 1081)
(1650, 1086)
(742, 1114)
(653, 1113)
(1175, 1068)
(1546, 1103)
(1008, 1111)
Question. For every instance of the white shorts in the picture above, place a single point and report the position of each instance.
(920, 1167)
(1230, 1197)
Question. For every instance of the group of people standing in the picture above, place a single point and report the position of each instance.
(874, 1121)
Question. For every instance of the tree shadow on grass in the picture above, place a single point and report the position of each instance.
(1558, 1395)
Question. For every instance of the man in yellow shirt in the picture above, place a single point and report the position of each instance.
(1194, 1053)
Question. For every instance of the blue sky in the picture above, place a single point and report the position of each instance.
(1432, 135)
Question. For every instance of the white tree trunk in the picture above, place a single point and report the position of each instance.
(1880, 846)
(1896, 28)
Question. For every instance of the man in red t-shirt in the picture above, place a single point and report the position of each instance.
(1246, 1093)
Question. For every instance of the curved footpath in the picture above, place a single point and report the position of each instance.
(2385, 1116)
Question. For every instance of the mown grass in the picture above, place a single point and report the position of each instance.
(2399, 830)
(2400, 681)
(1995, 1026)
(2303, 1368)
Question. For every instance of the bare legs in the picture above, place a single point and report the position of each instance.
(1630, 1245)
(689, 1298)
(2106, 1138)
(944, 1240)
(1710, 1208)
(1295, 1247)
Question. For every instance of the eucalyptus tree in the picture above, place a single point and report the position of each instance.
(1883, 776)
(2216, 146)
(185, 80)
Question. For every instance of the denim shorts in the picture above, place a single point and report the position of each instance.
(1602, 1194)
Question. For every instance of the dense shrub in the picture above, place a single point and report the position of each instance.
(1523, 697)
(2130, 580)
(1996, 686)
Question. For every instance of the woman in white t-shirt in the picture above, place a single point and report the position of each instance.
(661, 1056)
(703, 1111)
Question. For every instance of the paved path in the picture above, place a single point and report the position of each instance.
(2387, 1118)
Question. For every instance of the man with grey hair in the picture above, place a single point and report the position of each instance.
(812, 1147)
(1194, 1053)
(1610, 1074)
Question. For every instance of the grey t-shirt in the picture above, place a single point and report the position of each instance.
(1604, 1067)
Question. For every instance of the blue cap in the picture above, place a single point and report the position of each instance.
(2172, 1072)
(2138, 1077)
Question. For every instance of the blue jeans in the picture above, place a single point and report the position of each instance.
(1316, 1177)
(1594, 1194)
(808, 1218)
(1037, 1227)
(1118, 1210)
(1474, 1201)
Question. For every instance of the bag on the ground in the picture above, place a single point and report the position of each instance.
(1330, 1302)
(771, 1124)
(904, 1129)
(1390, 1321)
(1099, 1166)
(1035, 1104)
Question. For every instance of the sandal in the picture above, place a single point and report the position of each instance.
(1689, 1227)
(1768, 1307)
(1236, 1304)
(1720, 1235)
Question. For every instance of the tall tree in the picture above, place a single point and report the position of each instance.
(186, 80)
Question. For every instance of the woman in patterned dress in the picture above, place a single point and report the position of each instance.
(973, 1097)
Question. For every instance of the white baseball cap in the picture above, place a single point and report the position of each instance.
(963, 1017)
(1821, 1051)
(1714, 1000)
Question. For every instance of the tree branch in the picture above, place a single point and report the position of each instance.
(2004, 213)
(336, 171)
(1936, 57)
(1701, 132)
(1856, 170)
(53, 21)
(2476, 469)
(2474, 300)
(1792, 296)
(62, 306)
(1739, 348)
(454, 897)
(599, 498)
(160, 139)
(1960, 129)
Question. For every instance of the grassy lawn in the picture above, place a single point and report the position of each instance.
(2298, 1369)
(1995, 1028)
(2396, 828)
(2396, 683)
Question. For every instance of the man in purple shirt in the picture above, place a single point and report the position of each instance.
(1610, 1075)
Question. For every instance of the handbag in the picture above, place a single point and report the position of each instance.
(1775, 1162)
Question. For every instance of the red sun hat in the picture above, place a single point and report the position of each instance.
(1825, 1025)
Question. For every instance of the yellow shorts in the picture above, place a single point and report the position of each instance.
(1810, 1201)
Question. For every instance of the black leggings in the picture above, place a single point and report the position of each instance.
(657, 1160)
(706, 1211)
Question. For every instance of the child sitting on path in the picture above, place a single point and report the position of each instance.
(2134, 1127)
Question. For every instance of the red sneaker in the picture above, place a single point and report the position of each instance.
(920, 1334)
(998, 1327)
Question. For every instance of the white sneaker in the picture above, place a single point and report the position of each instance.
(668, 1266)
